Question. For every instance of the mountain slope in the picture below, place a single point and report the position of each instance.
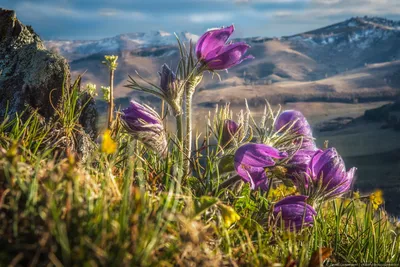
(330, 62)
(350, 44)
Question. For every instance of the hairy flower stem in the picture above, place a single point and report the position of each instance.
(188, 139)
(190, 87)
(111, 101)
(179, 133)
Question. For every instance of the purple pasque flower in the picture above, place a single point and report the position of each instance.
(298, 163)
(251, 160)
(213, 51)
(294, 212)
(294, 119)
(328, 174)
(167, 78)
(229, 130)
(144, 124)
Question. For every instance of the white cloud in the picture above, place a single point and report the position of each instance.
(210, 17)
(29, 10)
(34, 10)
(326, 9)
(268, 1)
(108, 12)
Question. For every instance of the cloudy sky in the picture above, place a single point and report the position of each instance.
(94, 19)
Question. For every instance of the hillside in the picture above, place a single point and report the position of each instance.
(354, 60)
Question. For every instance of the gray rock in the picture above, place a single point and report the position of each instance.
(31, 76)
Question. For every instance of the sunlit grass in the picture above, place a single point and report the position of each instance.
(128, 206)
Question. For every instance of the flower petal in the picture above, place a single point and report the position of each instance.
(258, 155)
(288, 117)
(137, 111)
(212, 40)
(253, 175)
(294, 212)
(227, 57)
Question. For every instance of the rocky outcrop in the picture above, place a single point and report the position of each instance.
(31, 76)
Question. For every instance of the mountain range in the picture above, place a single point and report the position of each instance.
(354, 60)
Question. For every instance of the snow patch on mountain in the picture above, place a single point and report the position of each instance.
(358, 32)
(129, 41)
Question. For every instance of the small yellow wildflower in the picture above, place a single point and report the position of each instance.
(356, 195)
(229, 215)
(108, 145)
(376, 198)
(281, 191)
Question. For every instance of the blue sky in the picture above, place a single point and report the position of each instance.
(94, 19)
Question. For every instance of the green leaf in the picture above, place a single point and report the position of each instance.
(226, 164)
(203, 204)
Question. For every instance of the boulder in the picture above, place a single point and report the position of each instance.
(31, 76)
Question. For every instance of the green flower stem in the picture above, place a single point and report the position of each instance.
(227, 183)
(179, 131)
(188, 140)
(111, 102)
(190, 87)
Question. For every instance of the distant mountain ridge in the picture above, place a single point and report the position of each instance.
(358, 31)
(128, 41)
(354, 60)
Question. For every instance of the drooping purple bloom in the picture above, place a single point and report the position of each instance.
(229, 130)
(293, 117)
(214, 52)
(328, 173)
(294, 212)
(167, 78)
(251, 160)
(144, 124)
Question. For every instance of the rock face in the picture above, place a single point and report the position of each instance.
(29, 74)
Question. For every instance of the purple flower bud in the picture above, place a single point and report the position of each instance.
(294, 119)
(168, 77)
(212, 50)
(144, 124)
(250, 161)
(229, 131)
(294, 212)
(328, 173)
